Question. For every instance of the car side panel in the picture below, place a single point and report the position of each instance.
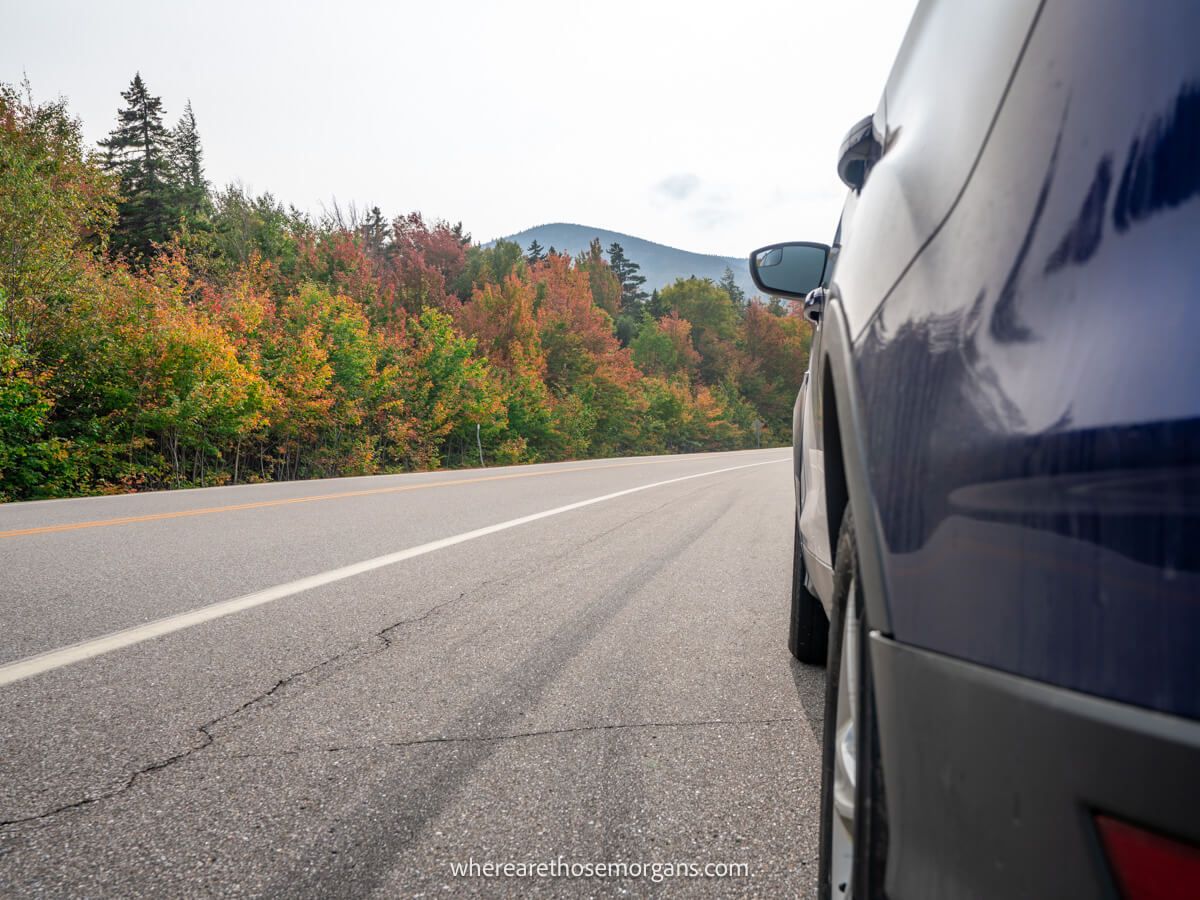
(1031, 388)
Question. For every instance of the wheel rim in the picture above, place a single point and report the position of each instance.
(845, 764)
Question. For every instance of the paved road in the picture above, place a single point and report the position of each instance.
(606, 684)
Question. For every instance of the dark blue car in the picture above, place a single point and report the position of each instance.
(998, 461)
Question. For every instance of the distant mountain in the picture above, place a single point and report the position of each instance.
(660, 264)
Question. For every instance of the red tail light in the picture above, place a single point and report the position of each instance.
(1149, 866)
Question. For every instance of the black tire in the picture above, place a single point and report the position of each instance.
(870, 805)
(808, 630)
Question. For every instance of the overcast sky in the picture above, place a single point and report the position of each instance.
(708, 126)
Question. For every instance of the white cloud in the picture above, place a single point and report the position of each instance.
(678, 187)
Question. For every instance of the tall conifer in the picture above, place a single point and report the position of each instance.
(187, 163)
(633, 298)
(138, 150)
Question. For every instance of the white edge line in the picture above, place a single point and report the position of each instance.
(65, 656)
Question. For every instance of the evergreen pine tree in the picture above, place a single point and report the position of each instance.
(730, 286)
(375, 231)
(633, 298)
(187, 162)
(535, 253)
(655, 305)
(138, 150)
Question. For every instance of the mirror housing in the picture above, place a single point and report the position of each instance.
(859, 151)
(790, 269)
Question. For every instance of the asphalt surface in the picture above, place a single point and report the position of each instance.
(609, 684)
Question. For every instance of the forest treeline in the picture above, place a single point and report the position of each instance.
(157, 332)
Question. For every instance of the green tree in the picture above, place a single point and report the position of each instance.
(138, 152)
(246, 226)
(714, 323)
(663, 347)
(32, 461)
(187, 162)
(489, 265)
(729, 285)
(536, 253)
(376, 231)
(633, 298)
(449, 390)
(655, 306)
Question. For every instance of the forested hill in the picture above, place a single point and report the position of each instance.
(660, 264)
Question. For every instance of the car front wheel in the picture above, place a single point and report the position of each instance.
(853, 812)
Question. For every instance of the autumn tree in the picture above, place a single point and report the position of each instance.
(501, 318)
(54, 208)
(575, 334)
(775, 349)
(197, 397)
(422, 264)
(605, 286)
(341, 259)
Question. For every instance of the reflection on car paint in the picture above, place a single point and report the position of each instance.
(1161, 171)
(1021, 535)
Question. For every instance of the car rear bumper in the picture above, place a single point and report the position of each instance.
(992, 780)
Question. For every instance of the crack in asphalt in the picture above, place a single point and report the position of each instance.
(207, 738)
(206, 730)
(496, 738)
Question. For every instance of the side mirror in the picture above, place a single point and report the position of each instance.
(789, 270)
